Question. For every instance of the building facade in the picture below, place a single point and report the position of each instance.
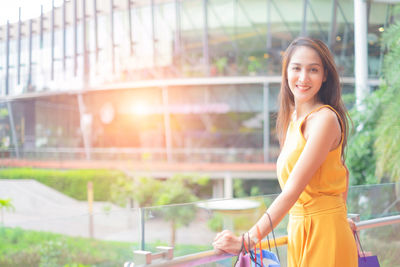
(163, 80)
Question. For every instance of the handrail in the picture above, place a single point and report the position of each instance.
(211, 255)
(377, 222)
(190, 260)
(280, 241)
(204, 257)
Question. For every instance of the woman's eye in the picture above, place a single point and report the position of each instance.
(314, 70)
(295, 68)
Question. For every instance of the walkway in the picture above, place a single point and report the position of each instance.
(38, 207)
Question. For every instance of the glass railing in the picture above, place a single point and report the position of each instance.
(197, 223)
(53, 236)
(374, 201)
(58, 233)
(224, 155)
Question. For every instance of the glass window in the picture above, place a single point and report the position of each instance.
(2, 65)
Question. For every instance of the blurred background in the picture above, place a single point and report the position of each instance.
(172, 81)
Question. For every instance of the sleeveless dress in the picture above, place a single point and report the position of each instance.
(318, 231)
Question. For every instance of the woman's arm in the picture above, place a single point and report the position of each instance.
(323, 130)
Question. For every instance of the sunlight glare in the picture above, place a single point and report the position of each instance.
(29, 9)
(140, 109)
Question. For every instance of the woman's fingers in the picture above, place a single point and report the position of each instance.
(220, 240)
(227, 242)
(218, 235)
(352, 225)
(221, 234)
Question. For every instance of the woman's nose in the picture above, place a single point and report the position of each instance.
(303, 76)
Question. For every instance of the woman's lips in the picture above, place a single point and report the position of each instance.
(303, 87)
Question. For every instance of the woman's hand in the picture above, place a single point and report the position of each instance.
(352, 224)
(227, 242)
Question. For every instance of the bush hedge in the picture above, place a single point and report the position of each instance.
(73, 183)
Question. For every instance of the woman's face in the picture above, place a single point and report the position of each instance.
(305, 74)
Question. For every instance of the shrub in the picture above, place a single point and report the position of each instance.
(73, 183)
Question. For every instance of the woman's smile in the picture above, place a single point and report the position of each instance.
(302, 87)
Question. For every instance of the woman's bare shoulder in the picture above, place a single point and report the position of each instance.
(327, 117)
(323, 119)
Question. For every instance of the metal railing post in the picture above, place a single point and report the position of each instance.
(19, 47)
(206, 56)
(146, 257)
(142, 229)
(266, 133)
(12, 126)
(112, 40)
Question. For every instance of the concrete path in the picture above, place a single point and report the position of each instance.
(38, 207)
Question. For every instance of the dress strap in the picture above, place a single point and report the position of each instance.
(331, 108)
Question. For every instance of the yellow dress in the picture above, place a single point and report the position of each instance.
(318, 231)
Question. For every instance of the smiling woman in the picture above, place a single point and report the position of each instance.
(312, 129)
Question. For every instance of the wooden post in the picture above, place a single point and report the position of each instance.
(90, 202)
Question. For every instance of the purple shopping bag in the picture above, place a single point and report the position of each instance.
(368, 261)
(365, 260)
(243, 260)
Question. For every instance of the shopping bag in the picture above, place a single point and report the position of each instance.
(243, 260)
(269, 259)
(368, 261)
(363, 259)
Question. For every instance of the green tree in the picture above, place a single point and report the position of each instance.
(240, 191)
(373, 149)
(360, 153)
(387, 144)
(178, 189)
(5, 204)
(143, 190)
(174, 191)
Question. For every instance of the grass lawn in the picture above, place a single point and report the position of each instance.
(20, 247)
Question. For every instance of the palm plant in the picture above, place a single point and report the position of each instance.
(387, 144)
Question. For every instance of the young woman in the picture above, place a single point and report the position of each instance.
(312, 129)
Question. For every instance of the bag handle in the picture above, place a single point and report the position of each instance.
(273, 235)
(259, 243)
(248, 250)
(241, 250)
(359, 242)
(245, 249)
(269, 245)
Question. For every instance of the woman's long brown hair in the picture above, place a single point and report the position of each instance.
(329, 94)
